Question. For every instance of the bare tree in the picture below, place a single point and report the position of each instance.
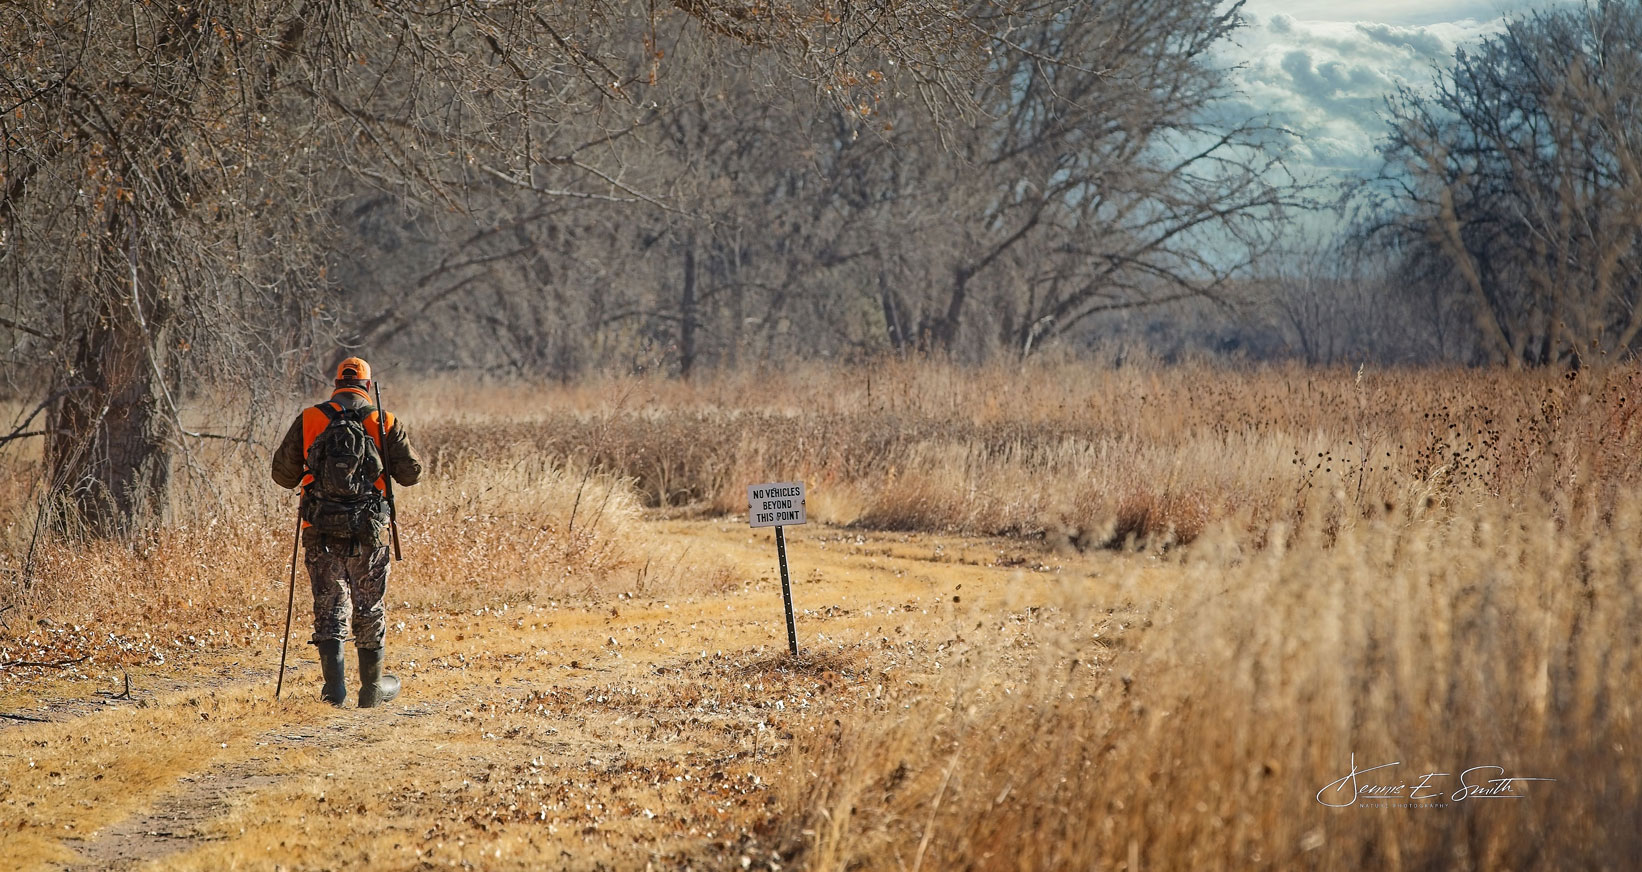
(1335, 303)
(170, 172)
(146, 214)
(1092, 175)
(1100, 177)
(1516, 187)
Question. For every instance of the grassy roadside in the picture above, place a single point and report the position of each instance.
(1289, 607)
(1491, 640)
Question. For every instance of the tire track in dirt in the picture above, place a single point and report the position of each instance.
(174, 822)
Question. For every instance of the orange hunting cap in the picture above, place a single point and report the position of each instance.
(353, 369)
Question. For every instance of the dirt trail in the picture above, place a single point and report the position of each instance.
(175, 821)
(641, 731)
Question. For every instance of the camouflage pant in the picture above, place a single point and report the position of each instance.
(338, 578)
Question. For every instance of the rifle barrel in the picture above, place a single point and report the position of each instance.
(387, 478)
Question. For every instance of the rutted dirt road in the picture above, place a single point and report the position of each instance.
(644, 730)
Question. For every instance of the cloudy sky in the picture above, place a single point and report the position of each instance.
(1323, 68)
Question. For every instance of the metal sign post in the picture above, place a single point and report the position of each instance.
(786, 591)
(779, 505)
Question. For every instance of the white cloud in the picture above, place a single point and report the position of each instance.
(1397, 12)
(1323, 70)
(1420, 40)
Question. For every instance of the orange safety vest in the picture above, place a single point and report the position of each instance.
(314, 421)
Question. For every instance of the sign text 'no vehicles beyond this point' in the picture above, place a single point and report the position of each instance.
(776, 505)
(779, 505)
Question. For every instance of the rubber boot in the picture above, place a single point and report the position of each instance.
(330, 663)
(374, 687)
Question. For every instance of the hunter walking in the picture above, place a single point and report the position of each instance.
(342, 453)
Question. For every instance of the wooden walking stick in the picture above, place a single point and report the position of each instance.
(290, 604)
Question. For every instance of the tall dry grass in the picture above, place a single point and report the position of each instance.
(1431, 567)
(1434, 568)
(537, 480)
(1491, 637)
(1078, 455)
(488, 525)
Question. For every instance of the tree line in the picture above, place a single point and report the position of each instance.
(1510, 208)
(1071, 172)
(241, 193)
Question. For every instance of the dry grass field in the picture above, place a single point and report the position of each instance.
(1053, 617)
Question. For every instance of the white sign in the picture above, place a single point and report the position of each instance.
(776, 505)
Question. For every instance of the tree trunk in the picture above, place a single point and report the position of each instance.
(943, 333)
(894, 316)
(108, 448)
(687, 312)
(738, 325)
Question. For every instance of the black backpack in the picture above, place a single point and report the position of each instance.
(342, 501)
